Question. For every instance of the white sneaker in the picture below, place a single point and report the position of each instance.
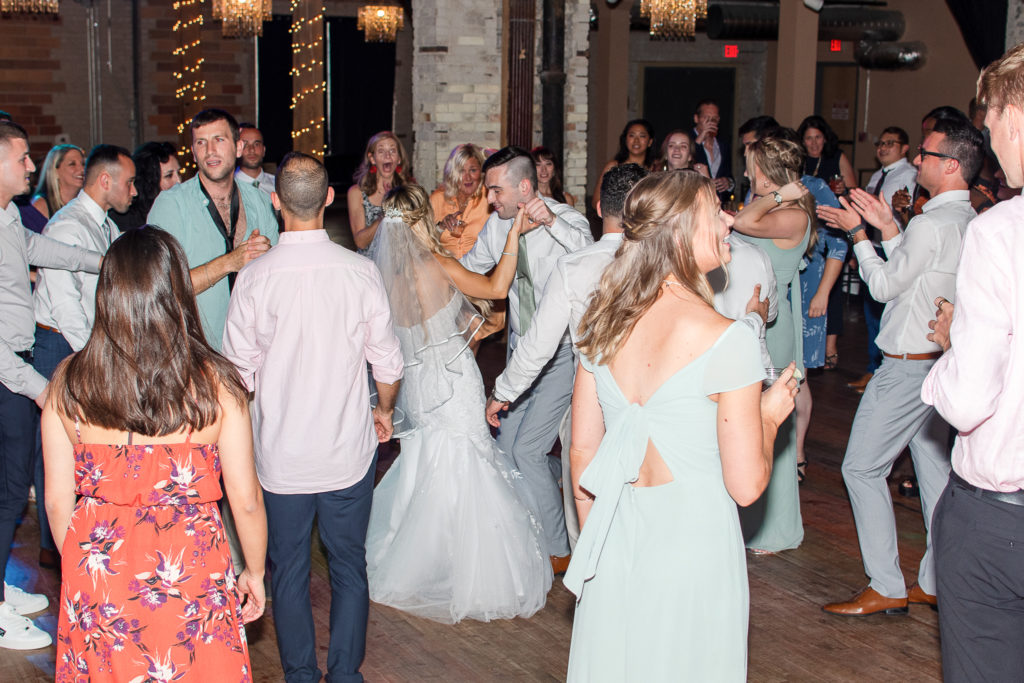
(19, 633)
(24, 603)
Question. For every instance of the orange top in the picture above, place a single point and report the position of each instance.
(474, 217)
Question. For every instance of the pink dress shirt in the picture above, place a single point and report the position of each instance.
(304, 320)
(978, 385)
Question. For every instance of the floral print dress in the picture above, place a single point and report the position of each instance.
(149, 590)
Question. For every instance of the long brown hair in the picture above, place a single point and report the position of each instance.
(146, 368)
(781, 161)
(659, 220)
(366, 175)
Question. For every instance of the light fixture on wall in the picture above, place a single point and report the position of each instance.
(242, 18)
(381, 22)
(673, 19)
(29, 6)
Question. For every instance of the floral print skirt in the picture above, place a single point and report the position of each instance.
(149, 590)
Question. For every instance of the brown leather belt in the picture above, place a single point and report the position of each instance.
(47, 328)
(914, 356)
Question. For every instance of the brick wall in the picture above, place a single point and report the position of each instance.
(45, 73)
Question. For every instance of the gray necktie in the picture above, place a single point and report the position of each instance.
(527, 304)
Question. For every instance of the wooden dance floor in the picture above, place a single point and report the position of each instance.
(791, 639)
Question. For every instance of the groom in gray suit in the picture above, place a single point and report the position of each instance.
(529, 430)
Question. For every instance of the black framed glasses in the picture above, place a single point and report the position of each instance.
(928, 153)
(886, 143)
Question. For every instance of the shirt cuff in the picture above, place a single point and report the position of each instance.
(91, 261)
(35, 384)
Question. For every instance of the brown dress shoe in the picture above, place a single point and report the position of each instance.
(917, 596)
(868, 601)
(49, 559)
(862, 382)
(560, 564)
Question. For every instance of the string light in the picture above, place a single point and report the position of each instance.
(308, 84)
(191, 86)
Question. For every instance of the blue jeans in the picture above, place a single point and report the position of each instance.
(342, 517)
(17, 448)
(51, 348)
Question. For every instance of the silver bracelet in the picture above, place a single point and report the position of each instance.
(508, 253)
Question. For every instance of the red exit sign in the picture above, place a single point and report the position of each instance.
(835, 46)
(732, 51)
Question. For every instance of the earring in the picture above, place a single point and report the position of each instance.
(373, 168)
(398, 169)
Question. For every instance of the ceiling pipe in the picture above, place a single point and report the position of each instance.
(760, 21)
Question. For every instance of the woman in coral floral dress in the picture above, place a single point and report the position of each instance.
(140, 425)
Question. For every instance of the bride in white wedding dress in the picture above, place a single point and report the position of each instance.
(449, 536)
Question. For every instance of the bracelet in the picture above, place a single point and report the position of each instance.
(508, 253)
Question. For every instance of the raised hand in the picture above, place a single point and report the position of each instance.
(844, 218)
(538, 213)
(871, 208)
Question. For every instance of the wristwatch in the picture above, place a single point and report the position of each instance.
(850, 234)
(777, 196)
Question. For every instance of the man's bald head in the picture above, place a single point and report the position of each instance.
(302, 185)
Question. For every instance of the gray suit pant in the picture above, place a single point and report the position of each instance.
(572, 519)
(890, 417)
(528, 432)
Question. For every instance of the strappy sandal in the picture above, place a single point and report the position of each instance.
(801, 471)
(832, 361)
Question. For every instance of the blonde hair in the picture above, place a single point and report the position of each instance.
(659, 219)
(48, 186)
(413, 202)
(782, 161)
(367, 180)
(1002, 82)
(455, 165)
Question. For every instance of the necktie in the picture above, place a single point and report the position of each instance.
(527, 304)
(256, 183)
(881, 182)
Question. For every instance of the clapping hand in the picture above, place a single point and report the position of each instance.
(844, 218)
(901, 199)
(871, 208)
(940, 326)
(454, 224)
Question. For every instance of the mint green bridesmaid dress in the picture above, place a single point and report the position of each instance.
(660, 572)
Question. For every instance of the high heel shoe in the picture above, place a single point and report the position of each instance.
(801, 471)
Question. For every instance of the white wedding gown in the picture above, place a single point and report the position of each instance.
(449, 537)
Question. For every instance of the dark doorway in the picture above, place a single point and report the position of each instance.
(360, 92)
(274, 62)
(671, 94)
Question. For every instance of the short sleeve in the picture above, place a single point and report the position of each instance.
(587, 364)
(734, 361)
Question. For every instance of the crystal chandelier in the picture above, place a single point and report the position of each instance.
(673, 19)
(242, 18)
(29, 6)
(381, 22)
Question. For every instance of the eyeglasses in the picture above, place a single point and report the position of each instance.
(886, 143)
(927, 153)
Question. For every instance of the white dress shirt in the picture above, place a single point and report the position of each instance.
(20, 247)
(65, 300)
(562, 305)
(749, 266)
(978, 385)
(304, 320)
(264, 180)
(900, 174)
(922, 265)
(569, 232)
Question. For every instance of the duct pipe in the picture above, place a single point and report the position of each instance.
(875, 55)
(758, 21)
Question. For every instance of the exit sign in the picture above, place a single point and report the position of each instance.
(732, 51)
(835, 46)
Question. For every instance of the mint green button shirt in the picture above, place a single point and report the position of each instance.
(182, 212)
